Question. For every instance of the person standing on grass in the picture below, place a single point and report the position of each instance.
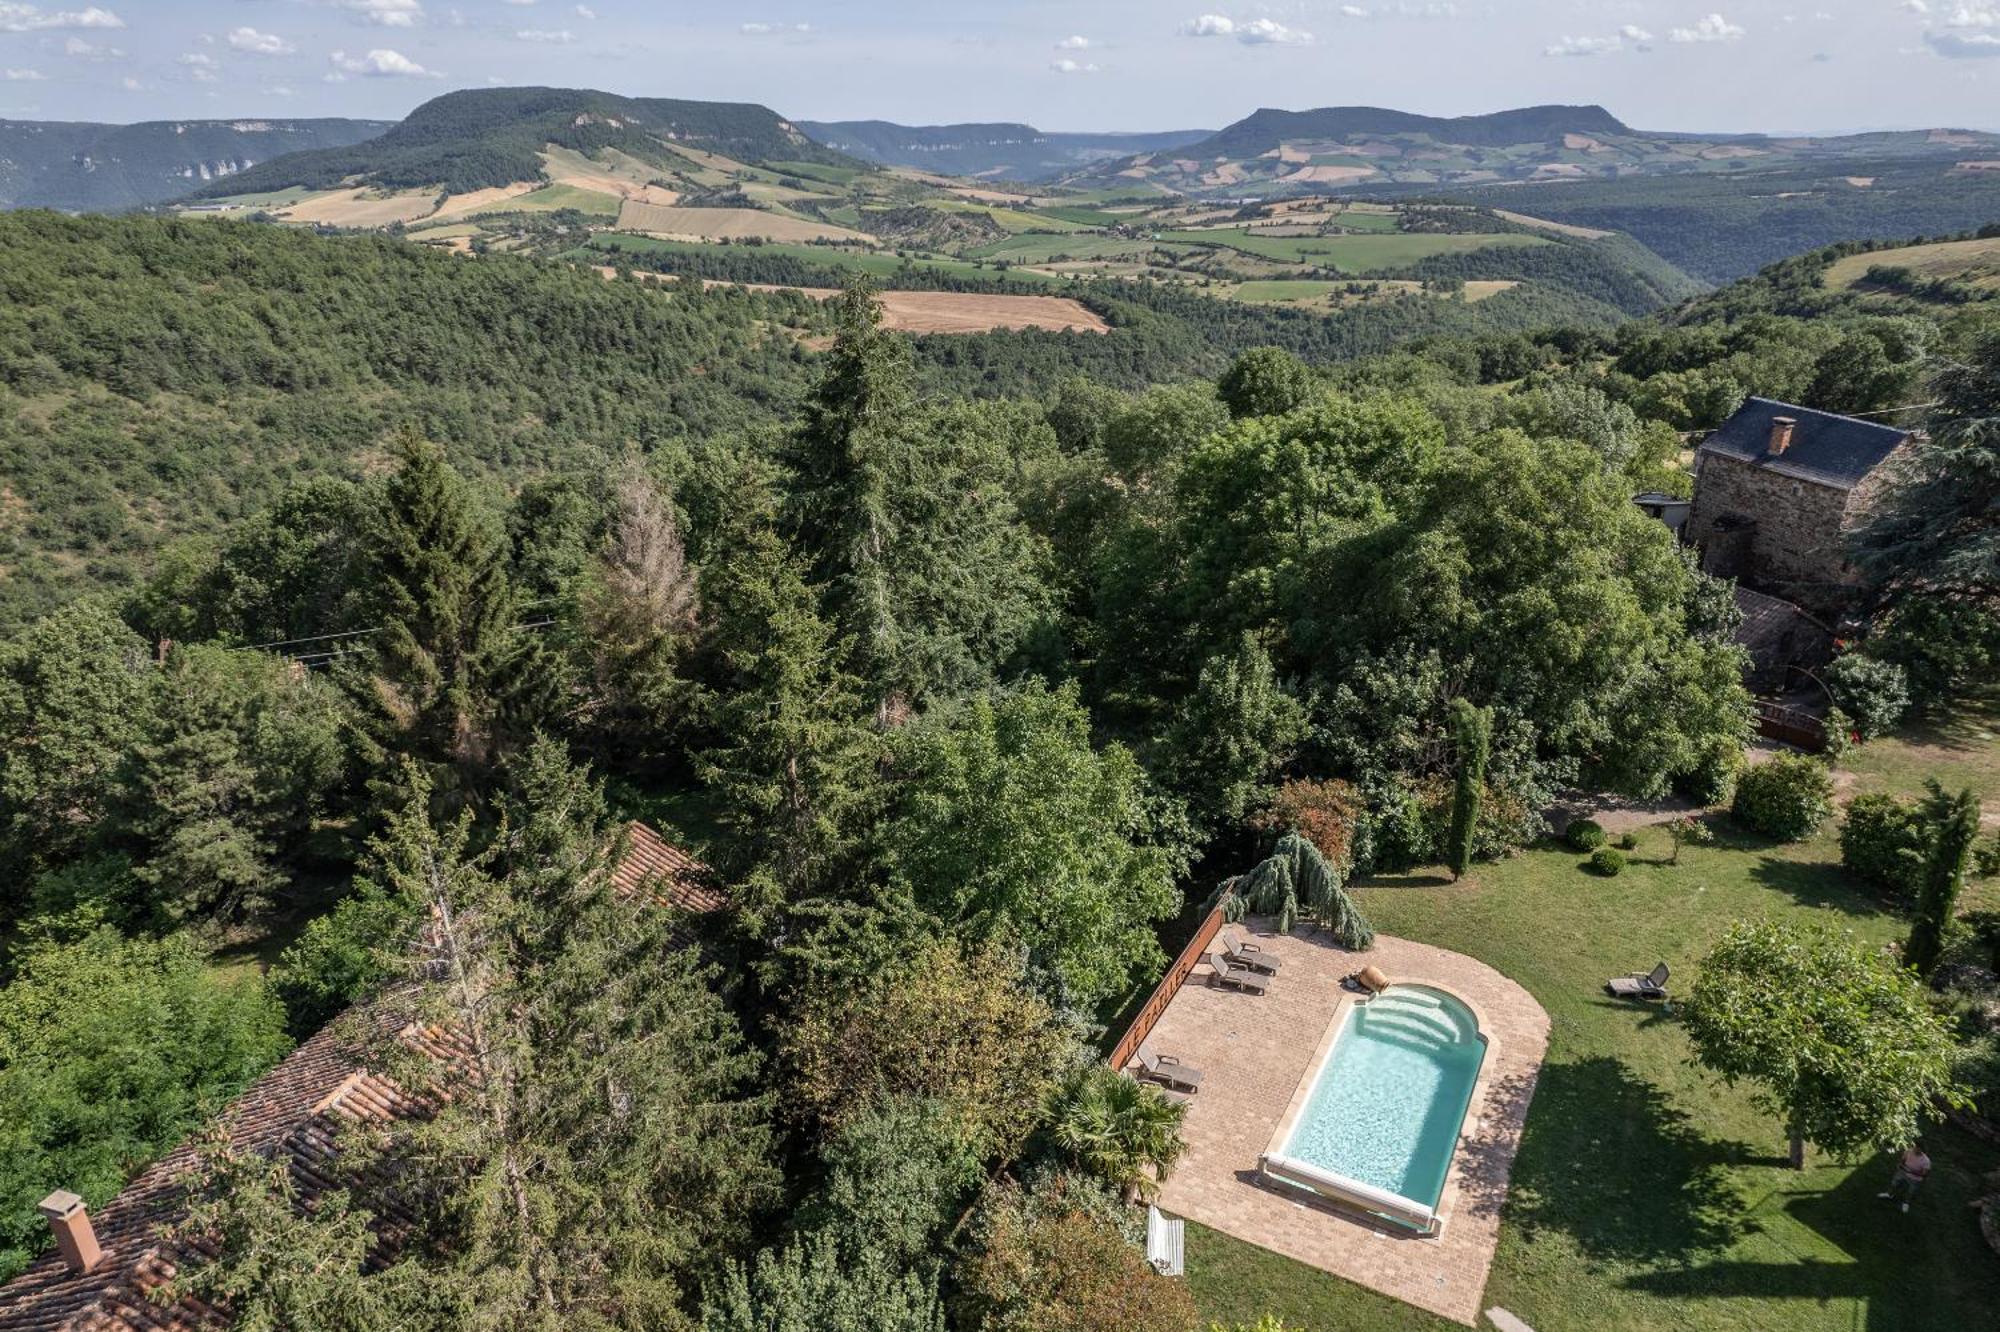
(1911, 1169)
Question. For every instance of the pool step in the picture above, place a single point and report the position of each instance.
(1412, 1028)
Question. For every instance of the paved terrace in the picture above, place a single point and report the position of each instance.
(1255, 1054)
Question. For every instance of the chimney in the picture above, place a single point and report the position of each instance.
(71, 1224)
(1781, 433)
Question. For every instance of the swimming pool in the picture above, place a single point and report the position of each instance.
(1382, 1120)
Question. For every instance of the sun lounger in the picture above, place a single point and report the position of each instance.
(1652, 985)
(1167, 1071)
(1240, 978)
(1243, 953)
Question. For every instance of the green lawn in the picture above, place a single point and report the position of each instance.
(1646, 1195)
(820, 171)
(1035, 248)
(1349, 253)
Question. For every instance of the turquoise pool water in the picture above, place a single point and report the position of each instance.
(1388, 1103)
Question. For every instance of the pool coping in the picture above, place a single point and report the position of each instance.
(1440, 1211)
(1258, 1052)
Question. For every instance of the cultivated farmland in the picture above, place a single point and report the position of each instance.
(727, 224)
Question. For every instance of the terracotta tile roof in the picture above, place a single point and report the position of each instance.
(294, 1111)
(670, 876)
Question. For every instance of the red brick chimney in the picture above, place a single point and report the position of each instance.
(1781, 433)
(74, 1236)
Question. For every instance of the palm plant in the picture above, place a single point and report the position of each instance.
(1120, 1129)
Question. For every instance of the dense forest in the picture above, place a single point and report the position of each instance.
(965, 672)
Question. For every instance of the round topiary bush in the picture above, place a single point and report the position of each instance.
(1787, 798)
(1629, 842)
(1584, 834)
(1608, 861)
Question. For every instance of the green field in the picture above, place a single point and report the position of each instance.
(555, 198)
(1042, 248)
(836, 260)
(1646, 1194)
(1083, 217)
(832, 175)
(289, 195)
(1271, 291)
(1349, 254)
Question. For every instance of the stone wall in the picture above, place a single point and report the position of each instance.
(1799, 551)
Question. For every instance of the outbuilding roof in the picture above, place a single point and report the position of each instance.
(1829, 449)
(293, 1113)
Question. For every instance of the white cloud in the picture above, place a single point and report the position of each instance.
(1964, 45)
(773, 29)
(1915, 6)
(201, 68)
(1250, 32)
(386, 13)
(1632, 32)
(377, 64)
(585, 12)
(130, 84)
(557, 36)
(259, 43)
(1073, 44)
(1064, 65)
(1710, 28)
(279, 90)
(78, 49)
(1209, 25)
(21, 76)
(1584, 46)
(1266, 32)
(27, 18)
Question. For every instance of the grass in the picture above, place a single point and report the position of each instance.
(1351, 253)
(837, 260)
(1013, 219)
(1273, 291)
(1035, 248)
(1974, 261)
(831, 175)
(554, 198)
(1646, 1194)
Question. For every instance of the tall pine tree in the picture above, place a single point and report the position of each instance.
(1951, 825)
(437, 588)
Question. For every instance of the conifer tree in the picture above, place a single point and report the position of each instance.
(639, 606)
(1472, 738)
(437, 586)
(1951, 825)
(795, 766)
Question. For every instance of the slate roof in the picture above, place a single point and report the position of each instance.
(1831, 450)
(294, 1112)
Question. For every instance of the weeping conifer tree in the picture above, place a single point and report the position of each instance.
(1297, 880)
(1472, 737)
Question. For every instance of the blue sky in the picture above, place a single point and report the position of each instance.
(1060, 64)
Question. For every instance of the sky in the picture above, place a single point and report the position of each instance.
(1769, 65)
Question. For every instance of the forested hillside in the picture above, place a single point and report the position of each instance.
(489, 137)
(80, 167)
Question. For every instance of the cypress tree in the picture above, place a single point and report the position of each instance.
(1472, 738)
(1952, 825)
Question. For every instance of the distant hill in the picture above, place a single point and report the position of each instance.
(82, 167)
(1273, 154)
(1016, 152)
(491, 137)
(1266, 130)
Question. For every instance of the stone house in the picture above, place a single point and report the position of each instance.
(1778, 489)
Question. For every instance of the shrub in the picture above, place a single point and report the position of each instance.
(1628, 842)
(1881, 843)
(1712, 779)
(1986, 857)
(1787, 798)
(1326, 813)
(1875, 693)
(1584, 834)
(1608, 861)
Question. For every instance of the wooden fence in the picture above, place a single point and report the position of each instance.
(1775, 721)
(1169, 986)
